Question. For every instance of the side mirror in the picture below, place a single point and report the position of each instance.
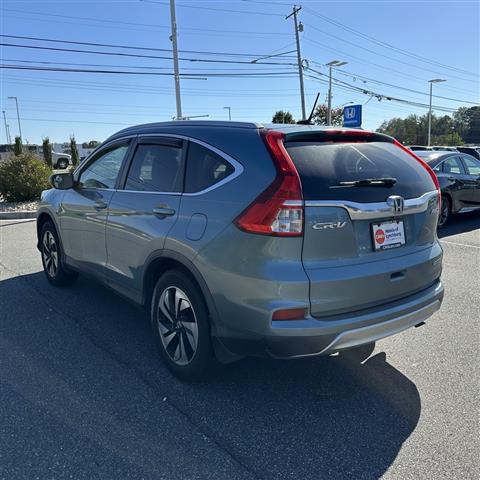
(62, 181)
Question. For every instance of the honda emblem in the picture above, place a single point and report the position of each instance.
(396, 202)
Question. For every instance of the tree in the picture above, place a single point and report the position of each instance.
(321, 114)
(47, 152)
(282, 117)
(90, 144)
(453, 139)
(18, 147)
(462, 127)
(74, 151)
(473, 133)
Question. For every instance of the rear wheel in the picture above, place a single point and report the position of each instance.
(180, 325)
(62, 163)
(52, 258)
(445, 212)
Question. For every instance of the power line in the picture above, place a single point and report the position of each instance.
(375, 94)
(354, 76)
(142, 67)
(216, 9)
(383, 55)
(387, 45)
(122, 54)
(125, 72)
(380, 67)
(130, 47)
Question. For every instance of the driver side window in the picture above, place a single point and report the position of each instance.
(103, 171)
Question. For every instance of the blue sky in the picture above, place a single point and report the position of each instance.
(392, 48)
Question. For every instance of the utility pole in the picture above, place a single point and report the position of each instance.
(299, 28)
(7, 133)
(173, 38)
(229, 112)
(431, 82)
(18, 116)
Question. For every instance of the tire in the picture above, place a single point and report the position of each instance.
(182, 335)
(62, 164)
(445, 212)
(52, 258)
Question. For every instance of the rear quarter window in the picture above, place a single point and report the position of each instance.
(204, 168)
(322, 166)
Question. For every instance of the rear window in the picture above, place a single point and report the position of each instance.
(322, 166)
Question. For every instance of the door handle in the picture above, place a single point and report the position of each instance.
(99, 205)
(163, 212)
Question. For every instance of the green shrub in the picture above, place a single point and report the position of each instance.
(23, 177)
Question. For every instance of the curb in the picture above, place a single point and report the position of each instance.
(17, 215)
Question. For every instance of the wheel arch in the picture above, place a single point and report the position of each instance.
(162, 261)
(453, 206)
(43, 217)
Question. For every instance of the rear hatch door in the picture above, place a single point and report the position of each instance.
(370, 221)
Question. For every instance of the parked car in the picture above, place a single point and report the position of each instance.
(459, 178)
(240, 239)
(61, 160)
(473, 151)
(419, 147)
(434, 148)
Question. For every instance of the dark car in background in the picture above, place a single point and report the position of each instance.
(459, 178)
(473, 151)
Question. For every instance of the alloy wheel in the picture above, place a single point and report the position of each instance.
(177, 325)
(50, 253)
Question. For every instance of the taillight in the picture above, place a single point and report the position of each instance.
(279, 209)
(426, 166)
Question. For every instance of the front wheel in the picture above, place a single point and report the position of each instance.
(52, 258)
(179, 320)
(445, 212)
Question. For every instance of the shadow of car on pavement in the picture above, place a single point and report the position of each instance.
(344, 416)
(461, 223)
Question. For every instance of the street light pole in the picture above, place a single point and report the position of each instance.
(7, 133)
(18, 116)
(299, 28)
(333, 63)
(431, 82)
(229, 112)
(173, 38)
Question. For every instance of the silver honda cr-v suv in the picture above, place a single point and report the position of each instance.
(243, 239)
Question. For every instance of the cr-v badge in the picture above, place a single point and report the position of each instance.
(323, 226)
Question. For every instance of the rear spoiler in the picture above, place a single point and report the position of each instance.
(340, 136)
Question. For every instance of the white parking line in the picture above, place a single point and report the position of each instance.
(460, 244)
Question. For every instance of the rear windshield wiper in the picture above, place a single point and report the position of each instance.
(369, 182)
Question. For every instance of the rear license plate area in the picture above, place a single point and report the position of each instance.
(389, 234)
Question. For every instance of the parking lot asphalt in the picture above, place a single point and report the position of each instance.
(83, 394)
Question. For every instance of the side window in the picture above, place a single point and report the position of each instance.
(453, 165)
(103, 171)
(204, 168)
(438, 167)
(473, 166)
(155, 168)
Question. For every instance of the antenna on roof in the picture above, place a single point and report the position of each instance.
(308, 121)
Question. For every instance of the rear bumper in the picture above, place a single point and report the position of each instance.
(312, 336)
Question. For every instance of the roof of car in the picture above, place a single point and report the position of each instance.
(287, 128)
(433, 155)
